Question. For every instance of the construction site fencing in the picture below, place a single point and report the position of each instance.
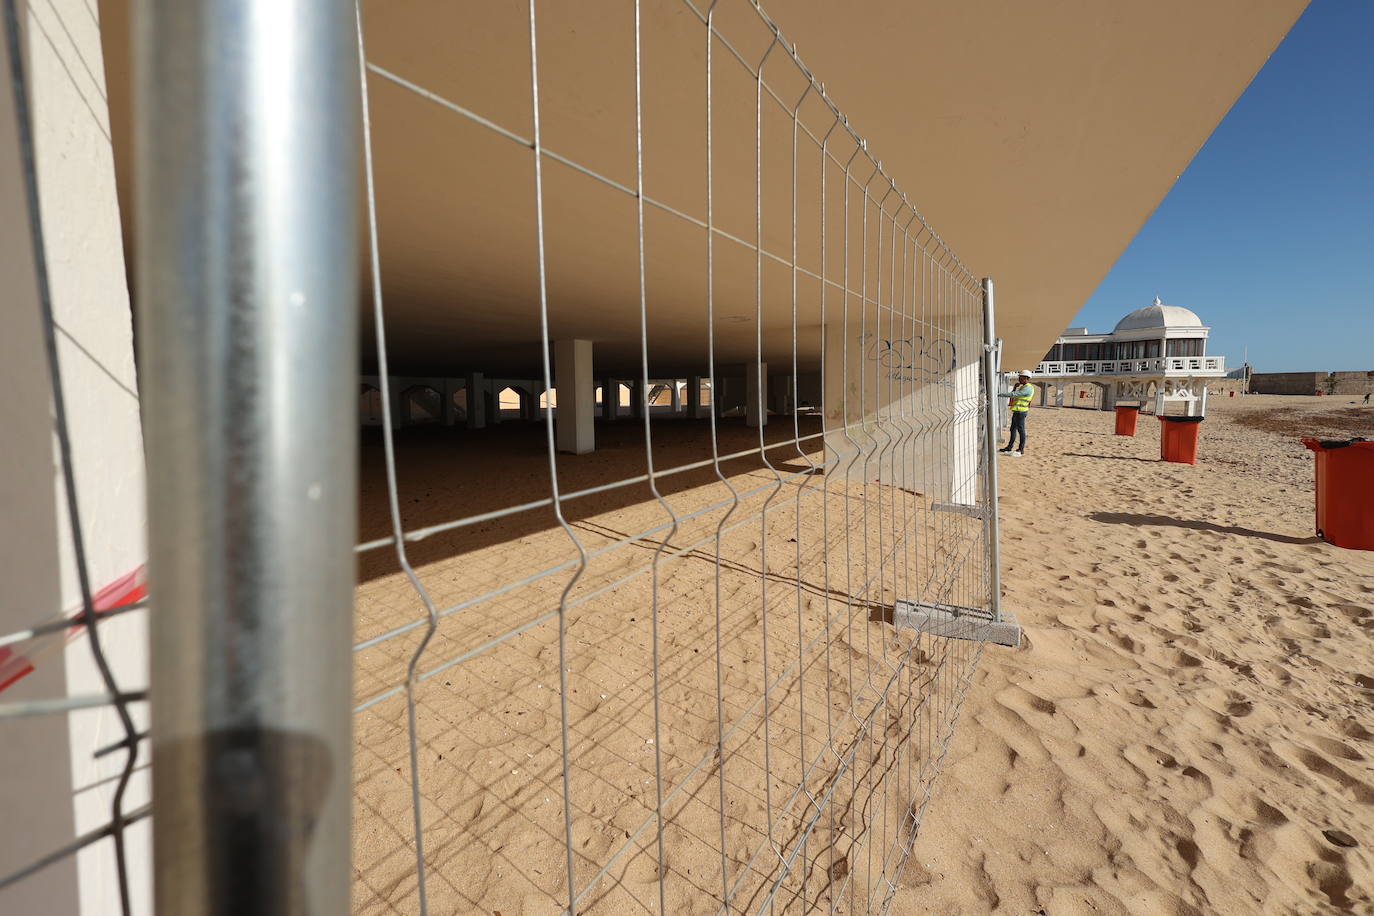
(693, 672)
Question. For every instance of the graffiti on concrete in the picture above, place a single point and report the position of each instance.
(913, 359)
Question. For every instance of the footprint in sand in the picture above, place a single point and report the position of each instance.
(1336, 748)
(1340, 838)
(1353, 611)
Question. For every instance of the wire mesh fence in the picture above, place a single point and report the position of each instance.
(691, 670)
(673, 678)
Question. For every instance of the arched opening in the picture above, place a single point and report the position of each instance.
(460, 404)
(421, 405)
(370, 405)
(660, 394)
(548, 399)
(511, 403)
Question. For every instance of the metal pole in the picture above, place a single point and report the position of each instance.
(991, 354)
(246, 162)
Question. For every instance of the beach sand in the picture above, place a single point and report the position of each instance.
(1187, 717)
(1190, 725)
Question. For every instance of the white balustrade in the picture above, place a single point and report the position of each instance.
(1154, 366)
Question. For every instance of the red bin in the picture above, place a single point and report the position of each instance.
(1126, 418)
(1178, 439)
(1345, 499)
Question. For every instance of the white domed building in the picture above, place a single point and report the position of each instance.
(1155, 354)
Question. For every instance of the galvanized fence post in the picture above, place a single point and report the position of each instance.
(991, 355)
(246, 278)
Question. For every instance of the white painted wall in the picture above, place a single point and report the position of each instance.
(95, 350)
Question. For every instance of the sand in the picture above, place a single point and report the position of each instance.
(1189, 727)
(1187, 717)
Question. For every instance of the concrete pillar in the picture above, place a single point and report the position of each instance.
(1202, 401)
(394, 386)
(572, 364)
(55, 789)
(1159, 399)
(677, 396)
(694, 397)
(610, 398)
(639, 396)
(1109, 396)
(447, 389)
(756, 394)
(1059, 395)
(477, 400)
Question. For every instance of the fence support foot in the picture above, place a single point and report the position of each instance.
(954, 622)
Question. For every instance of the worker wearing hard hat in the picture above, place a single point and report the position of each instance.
(1021, 397)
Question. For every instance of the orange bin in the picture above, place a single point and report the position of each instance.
(1126, 418)
(1345, 499)
(1178, 439)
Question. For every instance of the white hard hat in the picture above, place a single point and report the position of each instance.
(1026, 372)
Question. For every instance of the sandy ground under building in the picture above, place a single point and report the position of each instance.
(1187, 729)
(1190, 725)
(847, 692)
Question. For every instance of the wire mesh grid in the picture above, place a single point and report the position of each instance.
(671, 680)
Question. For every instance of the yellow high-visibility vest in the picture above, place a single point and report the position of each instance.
(1020, 403)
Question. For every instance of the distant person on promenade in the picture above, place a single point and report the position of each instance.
(1366, 398)
(1021, 397)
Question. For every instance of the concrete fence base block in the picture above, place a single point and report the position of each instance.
(953, 622)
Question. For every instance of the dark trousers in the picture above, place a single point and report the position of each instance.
(1018, 426)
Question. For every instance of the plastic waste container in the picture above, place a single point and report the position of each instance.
(1178, 439)
(1126, 418)
(1345, 498)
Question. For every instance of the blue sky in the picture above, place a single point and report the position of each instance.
(1269, 234)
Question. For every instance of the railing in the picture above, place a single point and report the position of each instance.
(1158, 365)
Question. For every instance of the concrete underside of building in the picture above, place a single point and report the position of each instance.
(1036, 138)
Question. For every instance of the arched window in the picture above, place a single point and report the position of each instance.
(460, 403)
(421, 404)
(370, 405)
(510, 403)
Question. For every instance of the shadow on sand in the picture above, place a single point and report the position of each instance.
(1111, 457)
(1128, 518)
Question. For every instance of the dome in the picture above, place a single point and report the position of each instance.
(1158, 315)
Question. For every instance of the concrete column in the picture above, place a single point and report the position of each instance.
(1159, 399)
(394, 386)
(1059, 395)
(677, 396)
(756, 394)
(1109, 396)
(477, 400)
(639, 396)
(572, 364)
(447, 388)
(1202, 401)
(610, 398)
(55, 788)
(694, 397)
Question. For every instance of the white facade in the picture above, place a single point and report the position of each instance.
(1157, 353)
